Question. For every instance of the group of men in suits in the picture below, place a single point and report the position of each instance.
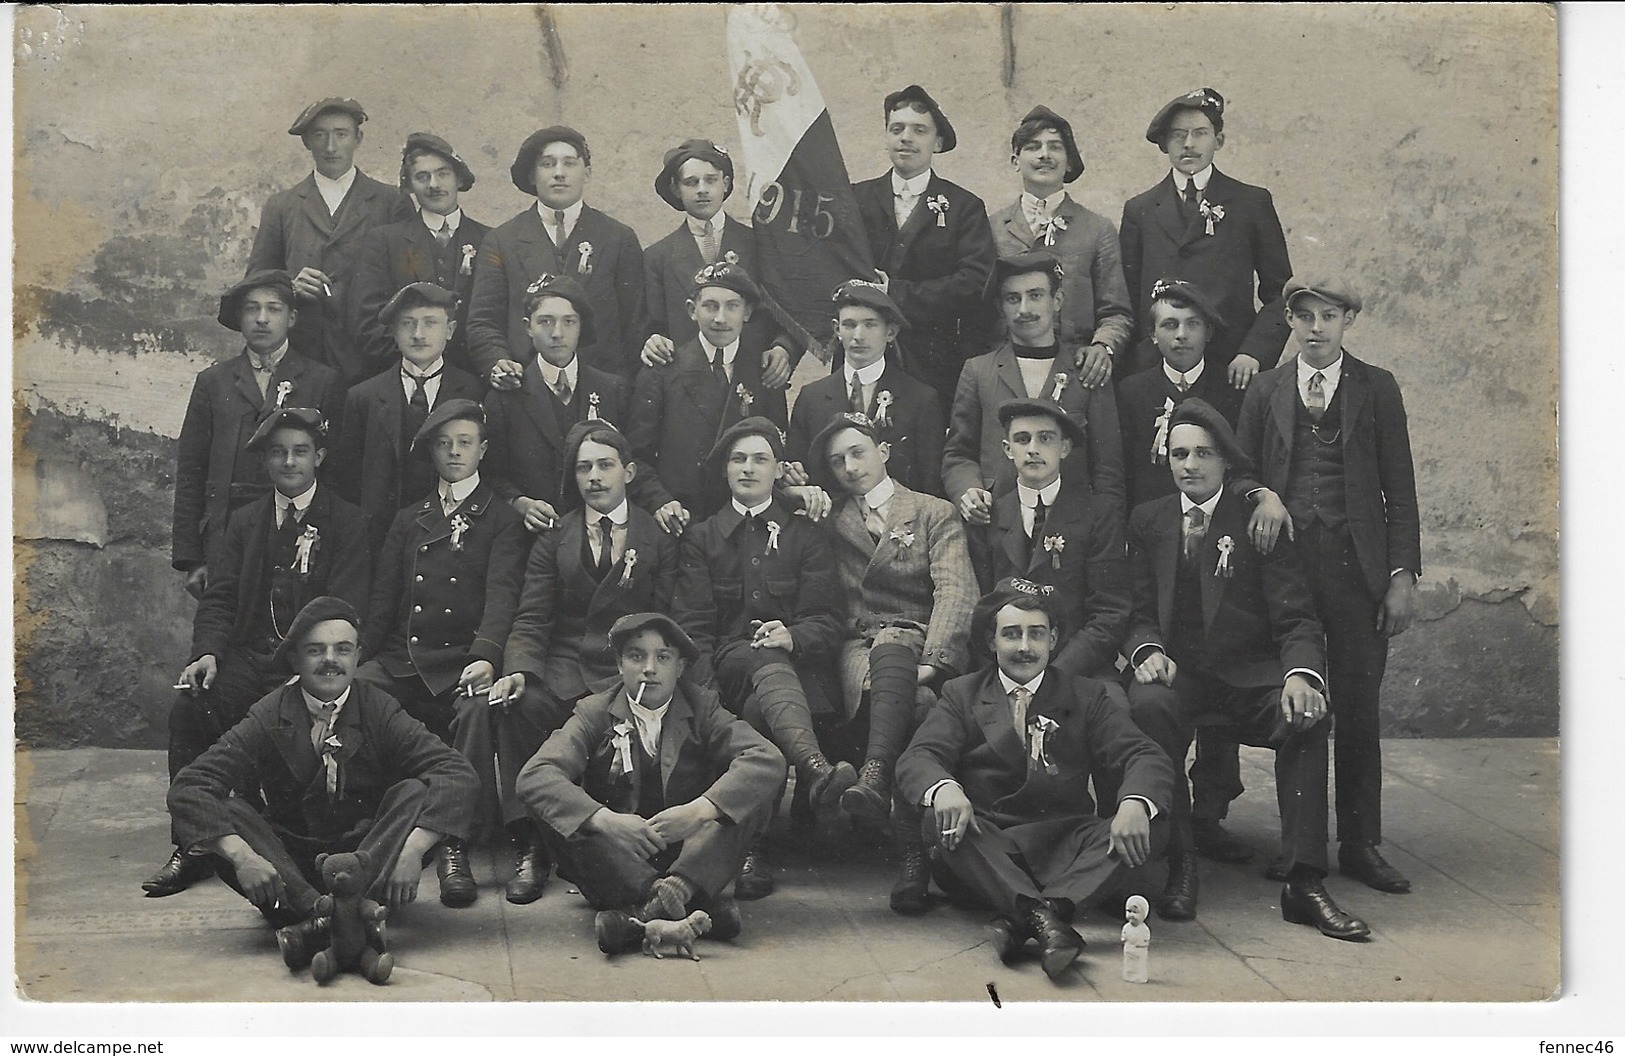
(544, 438)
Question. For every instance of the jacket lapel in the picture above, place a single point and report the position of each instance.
(1165, 558)
(1228, 521)
(620, 712)
(1063, 520)
(572, 573)
(292, 735)
(1007, 373)
(1011, 533)
(699, 382)
(534, 249)
(676, 730)
(1284, 408)
(1015, 222)
(1353, 391)
(1168, 210)
(921, 216)
(998, 723)
(387, 413)
(315, 208)
(542, 406)
(242, 375)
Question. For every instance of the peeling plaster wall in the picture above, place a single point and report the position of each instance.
(1413, 147)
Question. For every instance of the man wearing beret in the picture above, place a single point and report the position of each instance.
(695, 179)
(909, 589)
(907, 412)
(442, 604)
(754, 592)
(601, 561)
(1329, 432)
(1002, 767)
(437, 245)
(215, 473)
(299, 542)
(681, 409)
(1225, 636)
(382, 414)
(1031, 362)
(528, 425)
(652, 791)
(1096, 315)
(561, 235)
(342, 767)
(930, 240)
(314, 230)
(1203, 226)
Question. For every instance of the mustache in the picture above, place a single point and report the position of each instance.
(329, 669)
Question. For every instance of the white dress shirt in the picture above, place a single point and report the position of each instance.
(617, 532)
(696, 228)
(557, 234)
(434, 221)
(1201, 178)
(551, 374)
(868, 377)
(452, 495)
(431, 385)
(1330, 376)
(1038, 211)
(300, 503)
(333, 191)
(906, 194)
(728, 354)
(1029, 501)
(1189, 377)
(751, 511)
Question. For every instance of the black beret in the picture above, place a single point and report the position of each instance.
(1206, 100)
(1012, 588)
(917, 97)
(845, 420)
(1022, 264)
(447, 411)
(550, 285)
(302, 123)
(320, 610)
(231, 302)
(1195, 411)
(523, 169)
(307, 419)
(631, 625)
(1012, 409)
(755, 425)
(418, 295)
(435, 145)
(1189, 291)
(688, 150)
(730, 277)
(1040, 118)
(869, 295)
(579, 434)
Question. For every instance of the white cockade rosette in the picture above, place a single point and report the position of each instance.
(883, 402)
(284, 389)
(772, 538)
(459, 525)
(467, 266)
(939, 205)
(1039, 728)
(1159, 443)
(592, 406)
(305, 547)
(1047, 228)
(903, 536)
(631, 560)
(1227, 546)
(1053, 545)
(585, 249)
(731, 257)
(621, 741)
(745, 400)
(1060, 387)
(1212, 214)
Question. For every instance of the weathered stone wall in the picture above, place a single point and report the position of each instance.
(1413, 147)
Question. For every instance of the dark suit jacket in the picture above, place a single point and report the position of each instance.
(369, 459)
(270, 750)
(1260, 620)
(937, 270)
(527, 427)
(224, 410)
(678, 413)
(560, 635)
(970, 736)
(402, 253)
(974, 457)
(668, 278)
(518, 252)
(1097, 306)
(297, 232)
(915, 430)
(1141, 400)
(240, 577)
(1379, 479)
(1089, 573)
(704, 751)
(1159, 242)
(436, 608)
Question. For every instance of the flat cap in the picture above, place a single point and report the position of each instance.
(1194, 411)
(1336, 290)
(1011, 588)
(755, 425)
(446, 411)
(730, 277)
(1192, 294)
(1206, 100)
(305, 419)
(868, 295)
(1019, 406)
(920, 99)
(1040, 118)
(231, 302)
(418, 295)
(689, 150)
(319, 610)
(420, 141)
(1033, 260)
(523, 169)
(637, 622)
(549, 285)
(302, 123)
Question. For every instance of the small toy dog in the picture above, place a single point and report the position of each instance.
(678, 934)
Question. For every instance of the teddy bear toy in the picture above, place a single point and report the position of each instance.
(678, 934)
(355, 924)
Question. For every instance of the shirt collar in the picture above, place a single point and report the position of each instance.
(914, 185)
(1190, 376)
(648, 718)
(1201, 178)
(867, 375)
(1029, 497)
(300, 502)
(751, 511)
(617, 516)
(426, 373)
(1010, 685)
(728, 353)
(571, 213)
(1051, 205)
(1185, 504)
(271, 359)
(1332, 374)
(697, 227)
(880, 494)
(459, 491)
(316, 707)
(434, 221)
(550, 373)
(342, 184)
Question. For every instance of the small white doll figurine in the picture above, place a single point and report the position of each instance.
(1136, 940)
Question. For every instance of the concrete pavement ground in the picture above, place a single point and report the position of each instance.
(1473, 823)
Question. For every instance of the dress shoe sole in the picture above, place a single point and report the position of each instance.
(1058, 960)
(1006, 943)
(163, 890)
(523, 896)
(1292, 915)
(458, 896)
(866, 805)
(828, 797)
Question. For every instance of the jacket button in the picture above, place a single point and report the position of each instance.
(756, 594)
(448, 612)
(454, 579)
(423, 549)
(413, 639)
(420, 579)
(417, 608)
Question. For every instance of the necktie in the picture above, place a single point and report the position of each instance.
(562, 388)
(288, 516)
(442, 235)
(1020, 698)
(1193, 197)
(718, 370)
(1182, 385)
(420, 399)
(874, 522)
(448, 503)
(263, 368)
(904, 206)
(558, 222)
(606, 544)
(1195, 530)
(710, 244)
(1040, 511)
(855, 398)
(1317, 395)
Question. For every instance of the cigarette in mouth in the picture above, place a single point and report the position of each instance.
(637, 698)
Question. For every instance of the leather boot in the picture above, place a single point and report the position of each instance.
(299, 942)
(1058, 944)
(530, 872)
(1008, 935)
(1304, 900)
(179, 873)
(755, 879)
(617, 931)
(909, 895)
(870, 799)
(457, 886)
(726, 922)
(826, 781)
(1178, 901)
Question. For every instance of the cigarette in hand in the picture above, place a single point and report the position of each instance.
(181, 685)
(327, 291)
